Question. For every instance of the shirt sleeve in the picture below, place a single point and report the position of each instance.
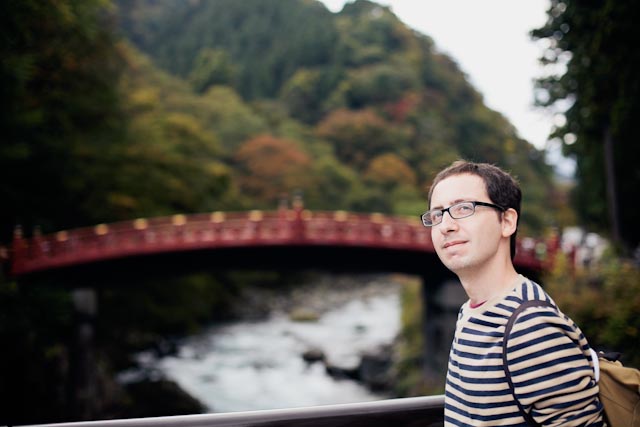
(552, 371)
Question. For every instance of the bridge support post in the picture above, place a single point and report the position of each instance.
(441, 300)
(83, 371)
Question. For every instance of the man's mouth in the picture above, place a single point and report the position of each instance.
(453, 243)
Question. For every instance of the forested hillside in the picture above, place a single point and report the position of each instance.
(354, 109)
(179, 107)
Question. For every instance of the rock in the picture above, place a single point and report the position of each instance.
(165, 347)
(375, 369)
(313, 355)
(341, 373)
(304, 315)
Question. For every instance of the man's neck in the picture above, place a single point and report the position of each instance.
(488, 283)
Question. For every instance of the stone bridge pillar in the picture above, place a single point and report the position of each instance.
(441, 300)
(83, 371)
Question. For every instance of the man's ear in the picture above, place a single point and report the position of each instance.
(509, 222)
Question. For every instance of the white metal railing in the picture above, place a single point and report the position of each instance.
(425, 411)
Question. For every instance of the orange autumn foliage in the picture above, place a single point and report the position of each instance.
(270, 166)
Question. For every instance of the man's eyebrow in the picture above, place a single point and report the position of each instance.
(466, 199)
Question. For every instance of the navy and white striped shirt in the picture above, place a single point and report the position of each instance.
(549, 360)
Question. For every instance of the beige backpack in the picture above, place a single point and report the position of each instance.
(619, 385)
(619, 391)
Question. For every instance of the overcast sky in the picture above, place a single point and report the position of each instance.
(490, 41)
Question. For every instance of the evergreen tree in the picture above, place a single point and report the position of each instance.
(592, 44)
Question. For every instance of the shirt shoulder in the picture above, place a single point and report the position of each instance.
(528, 290)
(502, 308)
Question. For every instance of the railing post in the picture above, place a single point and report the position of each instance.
(36, 242)
(298, 223)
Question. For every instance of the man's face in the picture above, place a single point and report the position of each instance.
(467, 243)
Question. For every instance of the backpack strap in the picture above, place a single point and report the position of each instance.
(505, 365)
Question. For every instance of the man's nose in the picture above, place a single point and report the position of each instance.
(448, 222)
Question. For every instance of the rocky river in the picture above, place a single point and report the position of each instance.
(322, 343)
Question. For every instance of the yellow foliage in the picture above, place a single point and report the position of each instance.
(144, 99)
(389, 169)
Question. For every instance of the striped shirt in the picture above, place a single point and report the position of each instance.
(549, 360)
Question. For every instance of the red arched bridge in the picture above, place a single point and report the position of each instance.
(295, 236)
(293, 228)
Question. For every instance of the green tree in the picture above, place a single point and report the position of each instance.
(358, 136)
(60, 108)
(370, 34)
(591, 48)
(170, 166)
(172, 162)
(390, 171)
(212, 67)
(223, 112)
(332, 185)
(377, 84)
(306, 91)
(267, 39)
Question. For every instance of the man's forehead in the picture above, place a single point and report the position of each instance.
(458, 188)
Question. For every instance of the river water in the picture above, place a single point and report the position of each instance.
(256, 365)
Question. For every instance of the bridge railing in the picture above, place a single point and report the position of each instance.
(425, 411)
(228, 229)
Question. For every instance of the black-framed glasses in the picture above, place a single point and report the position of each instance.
(457, 211)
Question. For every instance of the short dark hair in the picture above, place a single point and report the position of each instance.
(502, 188)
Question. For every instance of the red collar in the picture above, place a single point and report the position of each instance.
(476, 305)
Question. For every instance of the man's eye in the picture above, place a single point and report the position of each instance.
(462, 210)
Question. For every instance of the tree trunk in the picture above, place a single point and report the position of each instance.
(612, 195)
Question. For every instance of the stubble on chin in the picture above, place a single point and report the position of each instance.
(459, 264)
(456, 262)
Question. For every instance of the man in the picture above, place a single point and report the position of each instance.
(473, 216)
